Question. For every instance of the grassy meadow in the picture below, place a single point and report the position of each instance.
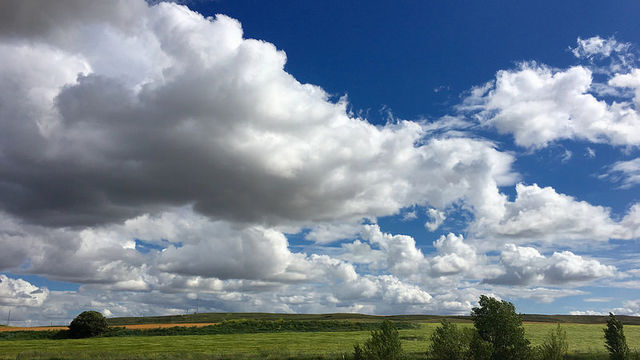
(586, 342)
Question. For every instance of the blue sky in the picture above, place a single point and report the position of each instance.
(289, 156)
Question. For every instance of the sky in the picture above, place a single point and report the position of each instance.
(314, 157)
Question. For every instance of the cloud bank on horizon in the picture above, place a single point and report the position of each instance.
(154, 156)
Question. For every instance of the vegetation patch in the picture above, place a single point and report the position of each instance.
(247, 326)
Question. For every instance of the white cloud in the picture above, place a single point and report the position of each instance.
(629, 307)
(18, 292)
(401, 255)
(540, 214)
(627, 173)
(630, 80)
(325, 233)
(538, 105)
(598, 47)
(586, 312)
(437, 218)
(410, 215)
(566, 267)
(454, 256)
(526, 266)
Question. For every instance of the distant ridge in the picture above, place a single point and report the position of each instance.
(218, 317)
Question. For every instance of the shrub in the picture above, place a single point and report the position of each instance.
(384, 344)
(358, 353)
(498, 324)
(448, 342)
(480, 349)
(88, 324)
(555, 345)
(615, 341)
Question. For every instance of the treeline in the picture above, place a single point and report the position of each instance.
(225, 327)
(497, 334)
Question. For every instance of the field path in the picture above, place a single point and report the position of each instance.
(137, 326)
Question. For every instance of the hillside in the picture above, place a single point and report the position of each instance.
(218, 317)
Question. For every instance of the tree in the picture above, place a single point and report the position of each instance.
(555, 346)
(497, 323)
(384, 344)
(88, 324)
(448, 342)
(615, 341)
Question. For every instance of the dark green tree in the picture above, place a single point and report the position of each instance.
(88, 324)
(498, 324)
(384, 344)
(448, 342)
(615, 341)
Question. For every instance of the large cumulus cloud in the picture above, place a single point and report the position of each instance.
(199, 115)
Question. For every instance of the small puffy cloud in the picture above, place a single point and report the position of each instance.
(454, 256)
(526, 266)
(410, 215)
(598, 47)
(396, 292)
(566, 266)
(522, 265)
(402, 257)
(437, 217)
(539, 105)
(18, 292)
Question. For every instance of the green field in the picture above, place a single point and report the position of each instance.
(583, 339)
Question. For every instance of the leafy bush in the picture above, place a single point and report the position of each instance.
(384, 344)
(448, 342)
(88, 324)
(615, 341)
(498, 324)
(480, 349)
(555, 346)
